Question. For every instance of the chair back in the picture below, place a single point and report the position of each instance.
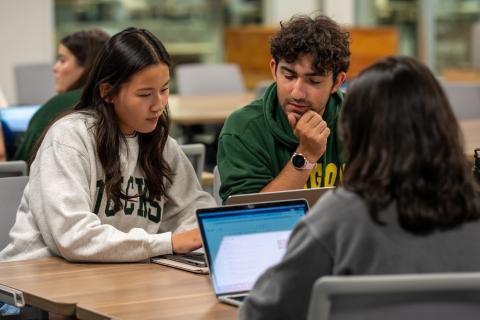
(204, 79)
(35, 83)
(464, 99)
(11, 191)
(393, 297)
(13, 168)
(216, 185)
(195, 152)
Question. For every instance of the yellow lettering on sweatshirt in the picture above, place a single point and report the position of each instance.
(318, 178)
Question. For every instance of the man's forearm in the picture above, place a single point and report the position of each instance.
(288, 179)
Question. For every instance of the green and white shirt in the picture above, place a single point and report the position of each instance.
(64, 209)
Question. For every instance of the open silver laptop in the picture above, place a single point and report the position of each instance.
(193, 261)
(311, 195)
(242, 241)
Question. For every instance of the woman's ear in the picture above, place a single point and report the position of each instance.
(104, 90)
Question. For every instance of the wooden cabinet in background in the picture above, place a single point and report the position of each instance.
(249, 47)
(369, 45)
(461, 75)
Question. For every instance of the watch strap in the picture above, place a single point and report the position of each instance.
(307, 165)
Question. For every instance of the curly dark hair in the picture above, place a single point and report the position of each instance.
(404, 146)
(320, 36)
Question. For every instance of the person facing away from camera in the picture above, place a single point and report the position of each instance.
(288, 138)
(408, 202)
(75, 57)
(107, 183)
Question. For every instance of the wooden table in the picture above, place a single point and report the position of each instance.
(120, 291)
(206, 109)
(207, 179)
(471, 133)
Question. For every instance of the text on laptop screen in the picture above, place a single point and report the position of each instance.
(243, 243)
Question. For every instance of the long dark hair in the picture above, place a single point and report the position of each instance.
(125, 54)
(404, 145)
(84, 45)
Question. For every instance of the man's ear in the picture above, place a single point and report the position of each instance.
(104, 90)
(273, 69)
(341, 77)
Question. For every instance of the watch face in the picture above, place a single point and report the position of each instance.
(298, 161)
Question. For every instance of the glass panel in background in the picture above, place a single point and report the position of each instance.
(399, 13)
(456, 43)
(458, 38)
(192, 30)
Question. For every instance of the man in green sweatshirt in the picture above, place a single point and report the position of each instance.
(288, 139)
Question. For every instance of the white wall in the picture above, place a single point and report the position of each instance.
(26, 36)
(275, 11)
(342, 11)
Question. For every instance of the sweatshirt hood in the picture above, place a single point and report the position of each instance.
(277, 121)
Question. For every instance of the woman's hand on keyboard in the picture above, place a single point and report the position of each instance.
(186, 241)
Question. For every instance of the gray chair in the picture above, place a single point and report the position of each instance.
(35, 83)
(393, 297)
(216, 185)
(204, 79)
(195, 152)
(13, 168)
(464, 98)
(207, 79)
(11, 191)
(261, 87)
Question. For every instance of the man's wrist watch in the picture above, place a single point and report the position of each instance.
(301, 163)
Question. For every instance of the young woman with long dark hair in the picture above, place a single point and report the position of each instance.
(107, 183)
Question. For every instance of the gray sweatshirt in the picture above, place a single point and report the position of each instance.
(337, 237)
(64, 211)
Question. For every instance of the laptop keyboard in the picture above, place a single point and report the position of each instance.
(194, 259)
(238, 298)
(200, 257)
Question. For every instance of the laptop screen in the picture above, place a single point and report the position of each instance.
(17, 118)
(311, 195)
(241, 242)
(14, 122)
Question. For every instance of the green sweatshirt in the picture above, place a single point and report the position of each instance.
(257, 141)
(42, 118)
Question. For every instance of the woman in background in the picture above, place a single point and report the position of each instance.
(76, 54)
(408, 204)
